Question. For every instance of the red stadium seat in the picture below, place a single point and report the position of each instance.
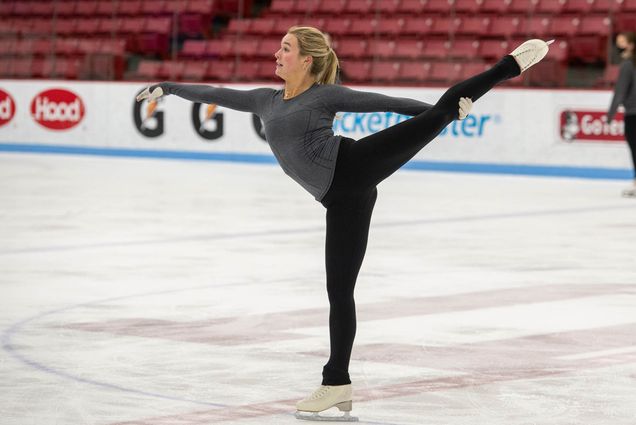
(174, 7)
(382, 48)
(263, 26)
(239, 26)
(64, 8)
(579, 7)
(43, 27)
(445, 72)
(526, 7)
(87, 26)
(471, 69)
(266, 71)
(42, 8)
(606, 6)
(409, 48)
(628, 6)
(247, 70)
(200, 7)
(193, 49)
(108, 26)
(269, 46)
(282, 7)
(417, 26)
(463, 48)
(362, 26)
(610, 75)
(493, 49)
(386, 7)
(351, 48)
(495, 7)
(67, 68)
(537, 26)
(467, 6)
(220, 70)
(436, 49)
(444, 25)
(106, 8)
(246, 47)
(551, 7)
(86, 8)
(359, 7)
(595, 24)
(151, 7)
(281, 25)
(505, 26)
(440, 7)
(148, 70)
(220, 48)
(337, 26)
(130, 7)
(171, 70)
(587, 48)
(356, 71)
(391, 26)
(386, 71)
(412, 7)
(331, 7)
(64, 27)
(565, 26)
(473, 25)
(42, 46)
(414, 72)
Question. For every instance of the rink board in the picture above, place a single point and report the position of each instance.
(544, 132)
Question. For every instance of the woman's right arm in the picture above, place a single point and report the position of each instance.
(240, 100)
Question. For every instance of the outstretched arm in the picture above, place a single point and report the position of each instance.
(344, 99)
(240, 100)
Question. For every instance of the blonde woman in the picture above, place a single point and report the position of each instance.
(342, 173)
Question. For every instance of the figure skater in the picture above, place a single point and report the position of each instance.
(339, 172)
(625, 94)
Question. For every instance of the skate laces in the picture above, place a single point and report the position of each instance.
(319, 393)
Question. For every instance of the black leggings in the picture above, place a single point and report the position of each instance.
(630, 137)
(360, 166)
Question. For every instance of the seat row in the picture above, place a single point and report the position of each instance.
(414, 7)
(89, 8)
(481, 25)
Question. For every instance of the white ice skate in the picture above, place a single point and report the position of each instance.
(630, 193)
(530, 52)
(324, 398)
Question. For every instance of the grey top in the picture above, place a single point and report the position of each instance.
(299, 130)
(624, 90)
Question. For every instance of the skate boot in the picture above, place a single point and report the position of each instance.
(326, 397)
(630, 193)
(530, 53)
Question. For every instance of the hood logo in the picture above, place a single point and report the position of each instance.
(207, 122)
(591, 126)
(57, 109)
(7, 107)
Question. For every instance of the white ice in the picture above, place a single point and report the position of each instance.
(153, 292)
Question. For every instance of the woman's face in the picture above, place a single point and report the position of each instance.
(623, 43)
(289, 62)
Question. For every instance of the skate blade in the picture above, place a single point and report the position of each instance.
(314, 416)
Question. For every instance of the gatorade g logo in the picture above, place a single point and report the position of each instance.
(148, 119)
(258, 126)
(207, 122)
(57, 109)
(7, 107)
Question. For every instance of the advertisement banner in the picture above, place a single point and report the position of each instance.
(555, 128)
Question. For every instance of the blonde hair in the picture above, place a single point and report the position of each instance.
(312, 42)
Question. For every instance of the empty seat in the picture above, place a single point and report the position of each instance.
(268, 47)
(148, 70)
(473, 25)
(390, 26)
(337, 26)
(331, 7)
(86, 8)
(246, 47)
(220, 70)
(495, 6)
(505, 26)
(220, 48)
(171, 70)
(247, 70)
(409, 48)
(436, 49)
(594, 24)
(351, 48)
(537, 26)
(552, 7)
(107, 8)
(565, 25)
(412, 7)
(356, 70)
(493, 49)
(130, 7)
(362, 26)
(359, 7)
(526, 7)
(387, 71)
(577, 6)
(263, 26)
(282, 7)
(467, 6)
(463, 48)
(193, 49)
(414, 71)
(445, 72)
(382, 48)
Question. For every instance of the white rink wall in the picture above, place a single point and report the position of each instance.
(545, 132)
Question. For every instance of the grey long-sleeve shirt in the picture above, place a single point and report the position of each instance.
(624, 90)
(300, 130)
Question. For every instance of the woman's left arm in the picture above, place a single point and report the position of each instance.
(344, 99)
(625, 77)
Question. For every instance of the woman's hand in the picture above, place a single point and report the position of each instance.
(465, 105)
(153, 95)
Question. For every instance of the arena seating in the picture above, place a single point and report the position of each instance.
(387, 42)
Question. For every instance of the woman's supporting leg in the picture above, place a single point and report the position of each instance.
(348, 219)
(382, 153)
(630, 137)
